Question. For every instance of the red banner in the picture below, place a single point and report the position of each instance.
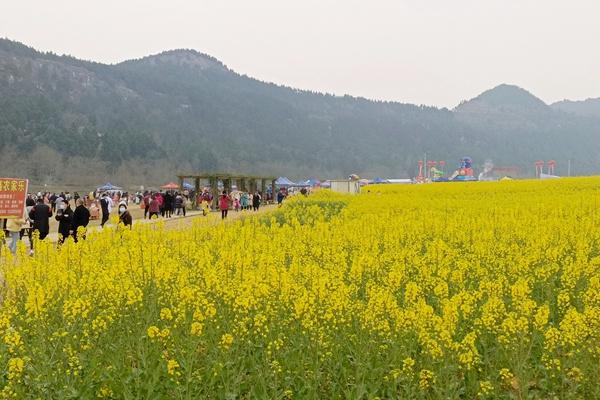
(13, 193)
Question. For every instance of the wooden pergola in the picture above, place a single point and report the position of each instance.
(244, 183)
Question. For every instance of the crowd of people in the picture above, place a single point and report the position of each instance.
(240, 201)
(42, 207)
(167, 204)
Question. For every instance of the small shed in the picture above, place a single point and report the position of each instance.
(345, 186)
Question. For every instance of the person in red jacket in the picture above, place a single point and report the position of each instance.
(153, 207)
(224, 204)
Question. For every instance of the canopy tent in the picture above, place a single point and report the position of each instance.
(401, 180)
(108, 186)
(170, 186)
(283, 181)
(548, 176)
(380, 180)
(188, 186)
(312, 182)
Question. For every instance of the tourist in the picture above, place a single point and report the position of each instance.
(52, 199)
(81, 218)
(168, 206)
(124, 215)
(106, 205)
(280, 197)
(64, 216)
(236, 202)
(205, 207)
(179, 204)
(40, 215)
(14, 227)
(224, 204)
(244, 201)
(256, 201)
(146, 201)
(153, 207)
(161, 203)
(27, 230)
(58, 202)
(94, 210)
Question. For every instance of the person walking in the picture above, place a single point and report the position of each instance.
(205, 207)
(153, 207)
(81, 218)
(146, 201)
(244, 201)
(124, 215)
(224, 204)
(179, 204)
(106, 206)
(280, 197)
(27, 230)
(64, 216)
(52, 198)
(40, 215)
(160, 197)
(168, 204)
(256, 201)
(58, 202)
(14, 227)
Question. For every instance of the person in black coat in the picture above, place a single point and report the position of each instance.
(124, 215)
(64, 216)
(40, 215)
(179, 204)
(256, 201)
(280, 197)
(105, 205)
(169, 203)
(81, 217)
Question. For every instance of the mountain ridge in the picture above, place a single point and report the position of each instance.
(144, 119)
(589, 107)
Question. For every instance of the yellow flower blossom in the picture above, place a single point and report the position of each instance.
(489, 290)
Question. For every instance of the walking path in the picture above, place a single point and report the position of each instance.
(175, 222)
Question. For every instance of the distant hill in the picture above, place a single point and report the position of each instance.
(139, 121)
(505, 98)
(589, 107)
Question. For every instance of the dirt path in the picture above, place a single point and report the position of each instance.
(174, 222)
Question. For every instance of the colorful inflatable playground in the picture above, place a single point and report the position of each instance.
(464, 173)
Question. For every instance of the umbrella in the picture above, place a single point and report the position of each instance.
(188, 186)
(170, 186)
(108, 186)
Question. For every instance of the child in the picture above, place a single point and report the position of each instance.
(205, 207)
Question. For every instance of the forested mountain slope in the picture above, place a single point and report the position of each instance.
(139, 121)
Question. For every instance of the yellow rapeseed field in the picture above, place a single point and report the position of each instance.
(449, 291)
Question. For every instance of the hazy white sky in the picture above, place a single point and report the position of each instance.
(434, 52)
